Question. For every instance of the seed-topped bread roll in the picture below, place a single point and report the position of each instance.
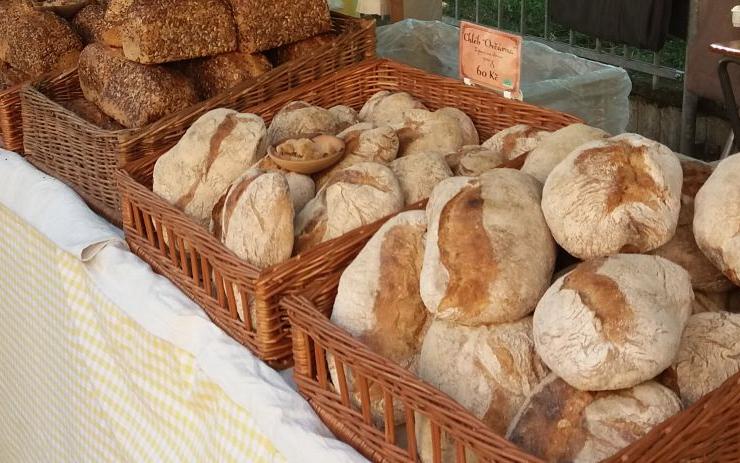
(299, 119)
(561, 424)
(36, 42)
(378, 300)
(717, 218)
(266, 25)
(356, 196)
(613, 322)
(131, 93)
(489, 255)
(216, 74)
(90, 23)
(489, 370)
(214, 152)
(418, 174)
(621, 194)
(387, 108)
(515, 141)
(709, 354)
(556, 147)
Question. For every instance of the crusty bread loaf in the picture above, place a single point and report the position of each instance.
(302, 187)
(266, 25)
(473, 160)
(423, 131)
(613, 322)
(489, 255)
(561, 424)
(220, 146)
(621, 194)
(173, 30)
(216, 74)
(90, 23)
(378, 300)
(418, 174)
(299, 119)
(346, 116)
(515, 141)
(469, 132)
(92, 114)
(10, 76)
(489, 370)
(717, 218)
(554, 148)
(131, 93)
(36, 42)
(302, 48)
(387, 108)
(709, 354)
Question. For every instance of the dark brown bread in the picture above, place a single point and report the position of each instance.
(36, 42)
(131, 93)
(266, 25)
(216, 74)
(92, 114)
(90, 23)
(173, 30)
(10, 76)
(302, 48)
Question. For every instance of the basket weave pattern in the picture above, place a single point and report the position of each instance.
(204, 269)
(11, 130)
(85, 157)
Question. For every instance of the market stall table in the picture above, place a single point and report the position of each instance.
(103, 360)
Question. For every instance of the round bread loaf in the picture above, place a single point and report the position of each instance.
(302, 187)
(471, 160)
(553, 149)
(346, 116)
(515, 141)
(489, 370)
(214, 151)
(424, 131)
(469, 132)
(682, 248)
(622, 194)
(418, 174)
(387, 108)
(717, 218)
(709, 354)
(613, 322)
(561, 424)
(489, 255)
(299, 119)
(378, 300)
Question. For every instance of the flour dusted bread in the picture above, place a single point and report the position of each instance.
(131, 93)
(346, 116)
(489, 255)
(556, 147)
(472, 160)
(709, 354)
(469, 132)
(220, 146)
(717, 218)
(387, 108)
(561, 424)
(621, 194)
(378, 299)
(299, 119)
(489, 370)
(613, 322)
(515, 141)
(425, 131)
(418, 174)
(216, 74)
(302, 187)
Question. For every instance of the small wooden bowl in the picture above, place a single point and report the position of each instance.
(306, 167)
(66, 9)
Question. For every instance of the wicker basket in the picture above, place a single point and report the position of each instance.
(709, 431)
(84, 156)
(206, 270)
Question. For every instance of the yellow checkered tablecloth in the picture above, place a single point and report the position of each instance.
(82, 382)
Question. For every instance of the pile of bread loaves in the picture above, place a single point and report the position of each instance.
(145, 59)
(573, 366)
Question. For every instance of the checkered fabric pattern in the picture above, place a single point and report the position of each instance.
(82, 382)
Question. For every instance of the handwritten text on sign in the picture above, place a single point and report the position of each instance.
(490, 58)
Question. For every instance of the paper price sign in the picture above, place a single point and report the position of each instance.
(490, 58)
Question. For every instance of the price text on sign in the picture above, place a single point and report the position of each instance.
(490, 58)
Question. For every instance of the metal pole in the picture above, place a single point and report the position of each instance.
(690, 100)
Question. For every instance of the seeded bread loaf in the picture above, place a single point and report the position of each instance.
(10, 76)
(90, 23)
(92, 114)
(265, 25)
(302, 48)
(131, 93)
(216, 74)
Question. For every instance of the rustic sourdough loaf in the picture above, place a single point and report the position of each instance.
(473, 160)
(489, 370)
(220, 146)
(489, 255)
(555, 147)
(173, 30)
(302, 187)
(469, 132)
(418, 174)
(378, 300)
(423, 131)
(717, 218)
(621, 194)
(515, 141)
(561, 424)
(613, 322)
(265, 25)
(131, 93)
(216, 74)
(299, 119)
(387, 108)
(346, 116)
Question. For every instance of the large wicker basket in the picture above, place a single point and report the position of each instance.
(708, 431)
(207, 271)
(84, 156)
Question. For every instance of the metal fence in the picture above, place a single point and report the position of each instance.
(494, 13)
